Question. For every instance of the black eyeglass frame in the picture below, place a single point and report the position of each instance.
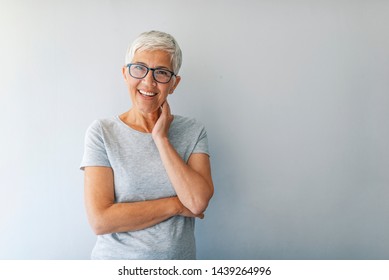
(152, 69)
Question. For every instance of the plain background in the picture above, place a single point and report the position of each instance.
(294, 95)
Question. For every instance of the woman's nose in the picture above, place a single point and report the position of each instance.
(149, 79)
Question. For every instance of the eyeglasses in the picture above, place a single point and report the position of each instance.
(139, 71)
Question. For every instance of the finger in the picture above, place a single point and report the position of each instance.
(166, 111)
(163, 108)
(166, 107)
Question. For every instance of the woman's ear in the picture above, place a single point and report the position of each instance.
(124, 71)
(176, 82)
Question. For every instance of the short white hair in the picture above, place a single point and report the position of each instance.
(156, 40)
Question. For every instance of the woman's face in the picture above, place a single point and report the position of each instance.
(147, 95)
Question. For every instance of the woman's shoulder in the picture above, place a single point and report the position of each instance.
(189, 122)
(187, 126)
(104, 124)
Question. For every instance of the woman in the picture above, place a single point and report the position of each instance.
(147, 172)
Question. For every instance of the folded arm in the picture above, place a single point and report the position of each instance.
(192, 181)
(106, 216)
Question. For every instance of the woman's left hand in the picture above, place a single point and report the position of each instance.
(161, 127)
(191, 180)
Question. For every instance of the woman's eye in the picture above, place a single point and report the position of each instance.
(162, 73)
(139, 67)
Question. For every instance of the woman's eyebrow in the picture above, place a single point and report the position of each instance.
(139, 62)
(145, 64)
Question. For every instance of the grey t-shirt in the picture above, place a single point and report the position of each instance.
(140, 175)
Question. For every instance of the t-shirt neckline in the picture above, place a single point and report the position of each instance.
(133, 129)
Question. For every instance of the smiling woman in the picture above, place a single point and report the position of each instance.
(147, 172)
(147, 91)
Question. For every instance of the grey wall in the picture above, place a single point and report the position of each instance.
(294, 95)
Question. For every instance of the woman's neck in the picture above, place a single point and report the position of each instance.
(143, 122)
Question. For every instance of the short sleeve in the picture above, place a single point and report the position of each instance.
(95, 153)
(201, 146)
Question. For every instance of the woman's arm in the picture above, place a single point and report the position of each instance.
(106, 216)
(192, 181)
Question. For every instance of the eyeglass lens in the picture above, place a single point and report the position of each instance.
(140, 71)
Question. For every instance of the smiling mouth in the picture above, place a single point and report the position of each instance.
(146, 93)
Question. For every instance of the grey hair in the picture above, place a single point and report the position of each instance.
(156, 40)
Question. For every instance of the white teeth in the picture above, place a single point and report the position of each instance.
(147, 93)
